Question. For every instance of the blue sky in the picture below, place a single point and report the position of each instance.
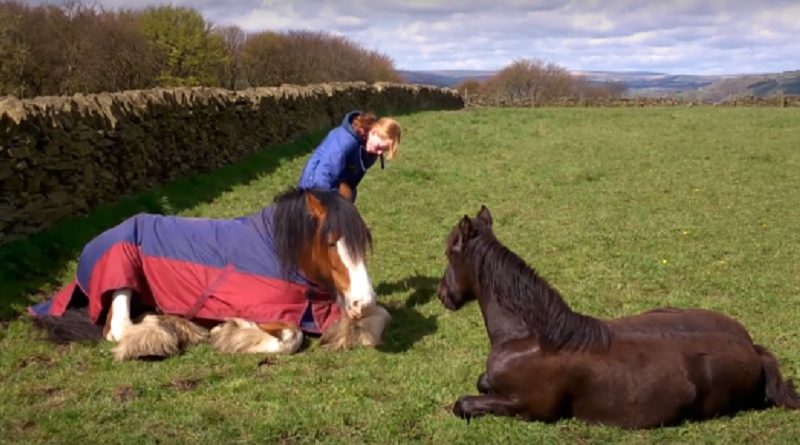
(671, 36)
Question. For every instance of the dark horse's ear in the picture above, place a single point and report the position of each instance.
(463, 232)
(484, 215)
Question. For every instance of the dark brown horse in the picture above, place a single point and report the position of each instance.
(548, 362)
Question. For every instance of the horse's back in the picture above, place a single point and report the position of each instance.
(668, 320)
(210, 242)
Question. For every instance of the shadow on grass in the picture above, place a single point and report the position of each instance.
(28, 266)
(408, 325)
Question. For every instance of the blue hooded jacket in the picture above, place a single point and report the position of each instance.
(340, 157)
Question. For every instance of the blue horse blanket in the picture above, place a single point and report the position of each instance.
(197, 268)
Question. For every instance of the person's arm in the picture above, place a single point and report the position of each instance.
(329, 170)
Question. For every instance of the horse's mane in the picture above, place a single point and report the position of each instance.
(294, 227)
(518, 289)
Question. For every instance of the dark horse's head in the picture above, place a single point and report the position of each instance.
(322, 234)
(457, 285)
(480, 265)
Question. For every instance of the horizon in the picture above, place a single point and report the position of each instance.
(631, 72)
(693, 37)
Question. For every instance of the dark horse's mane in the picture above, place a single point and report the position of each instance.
(294, 227)
(521, 291)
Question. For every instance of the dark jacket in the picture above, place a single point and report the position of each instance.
(340, 157)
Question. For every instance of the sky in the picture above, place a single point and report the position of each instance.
(666, 36)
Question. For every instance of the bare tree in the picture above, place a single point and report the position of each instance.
(234, 39)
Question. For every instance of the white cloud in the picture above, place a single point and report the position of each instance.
(682, 36)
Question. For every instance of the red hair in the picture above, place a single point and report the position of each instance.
(387, 128)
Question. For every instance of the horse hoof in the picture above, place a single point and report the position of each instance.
(458, 410)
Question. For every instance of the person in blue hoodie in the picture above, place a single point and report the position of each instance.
(342, 159)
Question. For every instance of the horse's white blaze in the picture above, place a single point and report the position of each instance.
(120, 314)
(359, 299)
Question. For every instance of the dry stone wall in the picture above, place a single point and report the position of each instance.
(478, 100)
(62, 155)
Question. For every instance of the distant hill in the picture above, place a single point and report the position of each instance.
(444, 78)
(709, 88)
(641, 83)
(762, 85)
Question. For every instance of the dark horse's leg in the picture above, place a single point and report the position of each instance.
(483, 384)
(468, 407)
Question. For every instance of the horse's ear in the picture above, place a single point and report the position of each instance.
(346, 191)
(484, 214)
(315, 206)
(464, 231)
(465, 225)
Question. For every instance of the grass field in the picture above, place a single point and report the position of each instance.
(620, 209)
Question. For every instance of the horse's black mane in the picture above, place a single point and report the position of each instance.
(294, 227)
(518, 289)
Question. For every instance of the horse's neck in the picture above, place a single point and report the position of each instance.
(542, 312)
(500, 324)
(263, 221)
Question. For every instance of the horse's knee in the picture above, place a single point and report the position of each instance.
(483, 385)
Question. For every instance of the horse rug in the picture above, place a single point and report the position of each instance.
(197, 268)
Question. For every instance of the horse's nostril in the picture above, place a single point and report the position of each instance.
(365, 310)
(356, 304)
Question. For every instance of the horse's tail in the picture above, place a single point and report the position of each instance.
(778, 391)
(73, 326)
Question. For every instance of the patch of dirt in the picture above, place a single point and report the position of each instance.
(65, 348)
(55, 395)
(288, 441)
(40, 360)
(184, 384)
(125, 393)
(264, 367)
(267, 361)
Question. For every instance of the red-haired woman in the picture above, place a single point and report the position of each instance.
(349, 150)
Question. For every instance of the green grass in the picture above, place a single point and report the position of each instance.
(621, 209)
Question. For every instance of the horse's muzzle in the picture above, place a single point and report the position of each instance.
(359, 309)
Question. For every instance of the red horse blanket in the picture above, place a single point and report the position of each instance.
(197, 268)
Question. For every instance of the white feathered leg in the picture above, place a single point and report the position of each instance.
(348, 333)
(158, 336)
(119, 315)
(236, 335)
